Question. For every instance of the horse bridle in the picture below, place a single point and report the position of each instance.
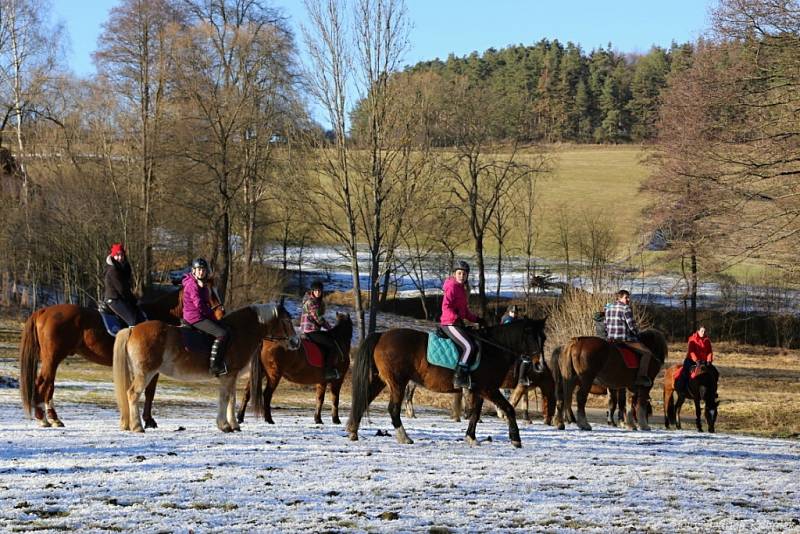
(509, 351)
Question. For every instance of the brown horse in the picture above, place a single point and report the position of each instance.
(51, 334)
(395, 357)
(586, 360)
(702, 386)
(278, 362)
(538, 376)
(156, 347)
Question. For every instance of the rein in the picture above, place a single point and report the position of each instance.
(504, 348)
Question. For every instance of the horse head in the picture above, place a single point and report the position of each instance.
(526, 338)
(278, 322)
(217, 307)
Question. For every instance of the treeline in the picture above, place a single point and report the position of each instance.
(603, 96)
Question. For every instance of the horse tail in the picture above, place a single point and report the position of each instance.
(256, 378)
(555, 365)
(669, 405)
(122, 374)
(28, 363)
(361, 375)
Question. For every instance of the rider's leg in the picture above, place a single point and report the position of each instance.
(221, 338)
(330, 354)
(461, 377)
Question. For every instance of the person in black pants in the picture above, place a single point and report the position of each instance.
(118, 294)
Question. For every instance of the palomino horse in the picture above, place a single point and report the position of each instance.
(51, 334)
(702, 386)
(293, 364)
(399, 355)
(538, 376)
(586, 360)
(155, 347)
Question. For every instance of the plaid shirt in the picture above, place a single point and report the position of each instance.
(312, 318)
(620, 324)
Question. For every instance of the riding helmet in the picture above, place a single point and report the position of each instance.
(200, 263)
(461, 265)
(316, 284)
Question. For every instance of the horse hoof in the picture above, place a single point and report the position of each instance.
(269, 420)
(44, 423)
(516, 444)
(150, 423)
(56, 423)
(236, 429)
(318, 420)
(472, 441)
(585, 426)
(337, 421)
(240, 419)
(353, 436)
(561, 426)
(138, 429)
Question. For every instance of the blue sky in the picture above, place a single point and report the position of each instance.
(462, 26)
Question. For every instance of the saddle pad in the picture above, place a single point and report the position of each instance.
(112, 323)
(630, 358)
(445, 353)
(676, 372)
(196, 341)
(313, 353)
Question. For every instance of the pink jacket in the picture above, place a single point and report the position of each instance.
(455, 306)
(195, 301)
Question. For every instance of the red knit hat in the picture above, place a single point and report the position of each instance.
(116, 248)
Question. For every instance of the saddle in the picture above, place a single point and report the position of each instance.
(442, 352)
(629, 356)
(314, 354)
(111, 322)
(195, 340)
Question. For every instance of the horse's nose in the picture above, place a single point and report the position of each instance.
(294, 343)
(538, 367)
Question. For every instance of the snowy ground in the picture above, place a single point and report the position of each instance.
(186, 476)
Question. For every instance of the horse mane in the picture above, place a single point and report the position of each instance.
(654, 340)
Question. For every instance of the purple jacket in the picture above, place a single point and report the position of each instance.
(455, 306)
(195, 301)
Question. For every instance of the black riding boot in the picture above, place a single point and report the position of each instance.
(524, 367)
(218, 367)
(331, 372)
(461, 378)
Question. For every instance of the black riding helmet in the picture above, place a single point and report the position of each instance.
(316, 285)
(461, 265)
(200, 263)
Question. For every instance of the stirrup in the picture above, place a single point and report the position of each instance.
(218, 370)
(331, 373)
(462, 378)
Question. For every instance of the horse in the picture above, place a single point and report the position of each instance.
(394, 357)
(278, 362)
(702, 386)
(156, 347)
(52, 333)
(538, 376)
(584, 360)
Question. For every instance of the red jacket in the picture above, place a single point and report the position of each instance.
(455, 306)
(700, 349)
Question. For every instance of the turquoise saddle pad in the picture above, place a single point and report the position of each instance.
(444, 353)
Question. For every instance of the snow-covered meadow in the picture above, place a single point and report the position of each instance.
(296, 476)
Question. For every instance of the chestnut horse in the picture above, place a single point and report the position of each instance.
(586, 360)
(397, 356)
(702, 386)
(51, 334)
(156, 347)
(279, 362)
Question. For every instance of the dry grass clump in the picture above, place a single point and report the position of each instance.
(572, 315)
(345, 298)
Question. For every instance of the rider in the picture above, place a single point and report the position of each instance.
(699, 352)
(312, 323)
(510, 314)
(621, 327)
(197, 312)
(525, 363)
(118, 294)
(455, 308)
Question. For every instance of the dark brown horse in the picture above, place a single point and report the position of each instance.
(585, 361)
(156, 347)
(277, 361)
(701, 386)
(51, 334)
(395, 357)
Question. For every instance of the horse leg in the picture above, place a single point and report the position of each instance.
(621, 404)
(697, 420)
(526, 398)
(224, 411)
(611, 406)
(410, 389)
(678, 406)
(138, 385)
(581, 397)
(45, 382)
(641, 409)
(629, 419)
(245, 400)
(270, 385)
(458, 404)
(232, 420)
(476, 405)
(149, 393)
(396, 393)
(50, 407)
(320, 400)
(336, 387)
(502, 404)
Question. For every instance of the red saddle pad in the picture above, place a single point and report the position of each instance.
(313, 354)
(630, 358)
